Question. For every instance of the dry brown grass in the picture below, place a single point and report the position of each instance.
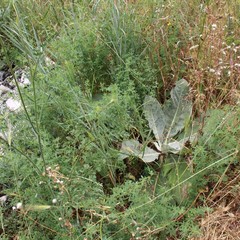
(214, 73)
(214, 69)
(223, 223)
(207, 36)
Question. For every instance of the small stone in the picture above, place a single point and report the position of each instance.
(19, 205)
(3, 199)
(13, 105)
(4, 89)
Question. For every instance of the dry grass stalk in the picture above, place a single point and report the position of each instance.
(214, 68)
(224, 222)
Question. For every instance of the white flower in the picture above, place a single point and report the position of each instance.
(214, 26)
(49, 62)
(48, 168)
(13, 105)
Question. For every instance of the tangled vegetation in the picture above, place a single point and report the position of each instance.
(91, 153)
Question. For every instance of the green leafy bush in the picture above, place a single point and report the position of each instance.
(219, 143)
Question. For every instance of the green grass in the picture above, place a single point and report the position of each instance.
(62, 162)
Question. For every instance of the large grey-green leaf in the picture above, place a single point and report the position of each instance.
(173, 147)
(176, 146)
(155, 116)
(165, 123)
(134, 148)
(177, 110)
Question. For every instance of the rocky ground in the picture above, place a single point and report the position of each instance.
(10, 80)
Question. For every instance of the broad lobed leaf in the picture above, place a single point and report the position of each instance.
(178, 109)
(155, 116)
(165, 121)
(134, 148)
